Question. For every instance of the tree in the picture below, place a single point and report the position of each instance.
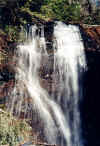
(61, 10)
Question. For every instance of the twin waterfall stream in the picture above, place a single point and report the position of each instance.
(58, 112)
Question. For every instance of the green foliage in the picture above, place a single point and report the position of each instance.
(61, 10)
(12, 11)
(11, 129)
(16, 13)
(12, 31)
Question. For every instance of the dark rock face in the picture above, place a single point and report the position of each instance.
(91, 88)
(6, 83)
(91, 99)
(6, 67)
(91, 37)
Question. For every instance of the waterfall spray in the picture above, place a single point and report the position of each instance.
(58, 112)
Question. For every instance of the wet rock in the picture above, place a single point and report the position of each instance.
(91, 37)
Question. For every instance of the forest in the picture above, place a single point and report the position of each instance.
(17, 13)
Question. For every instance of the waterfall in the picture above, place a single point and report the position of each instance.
(57, 112)
(69, 64)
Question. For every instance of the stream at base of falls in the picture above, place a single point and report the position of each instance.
(56, 114)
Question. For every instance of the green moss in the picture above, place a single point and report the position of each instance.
(11, 129)
(17, 13)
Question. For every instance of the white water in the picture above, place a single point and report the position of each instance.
(69, 64)
(59, 113)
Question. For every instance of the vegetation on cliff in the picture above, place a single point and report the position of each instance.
(12, 131)
(17, 13)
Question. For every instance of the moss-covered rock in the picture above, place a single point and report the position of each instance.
(13, 131)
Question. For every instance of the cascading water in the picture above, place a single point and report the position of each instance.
(69, 62)
(58, 112)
